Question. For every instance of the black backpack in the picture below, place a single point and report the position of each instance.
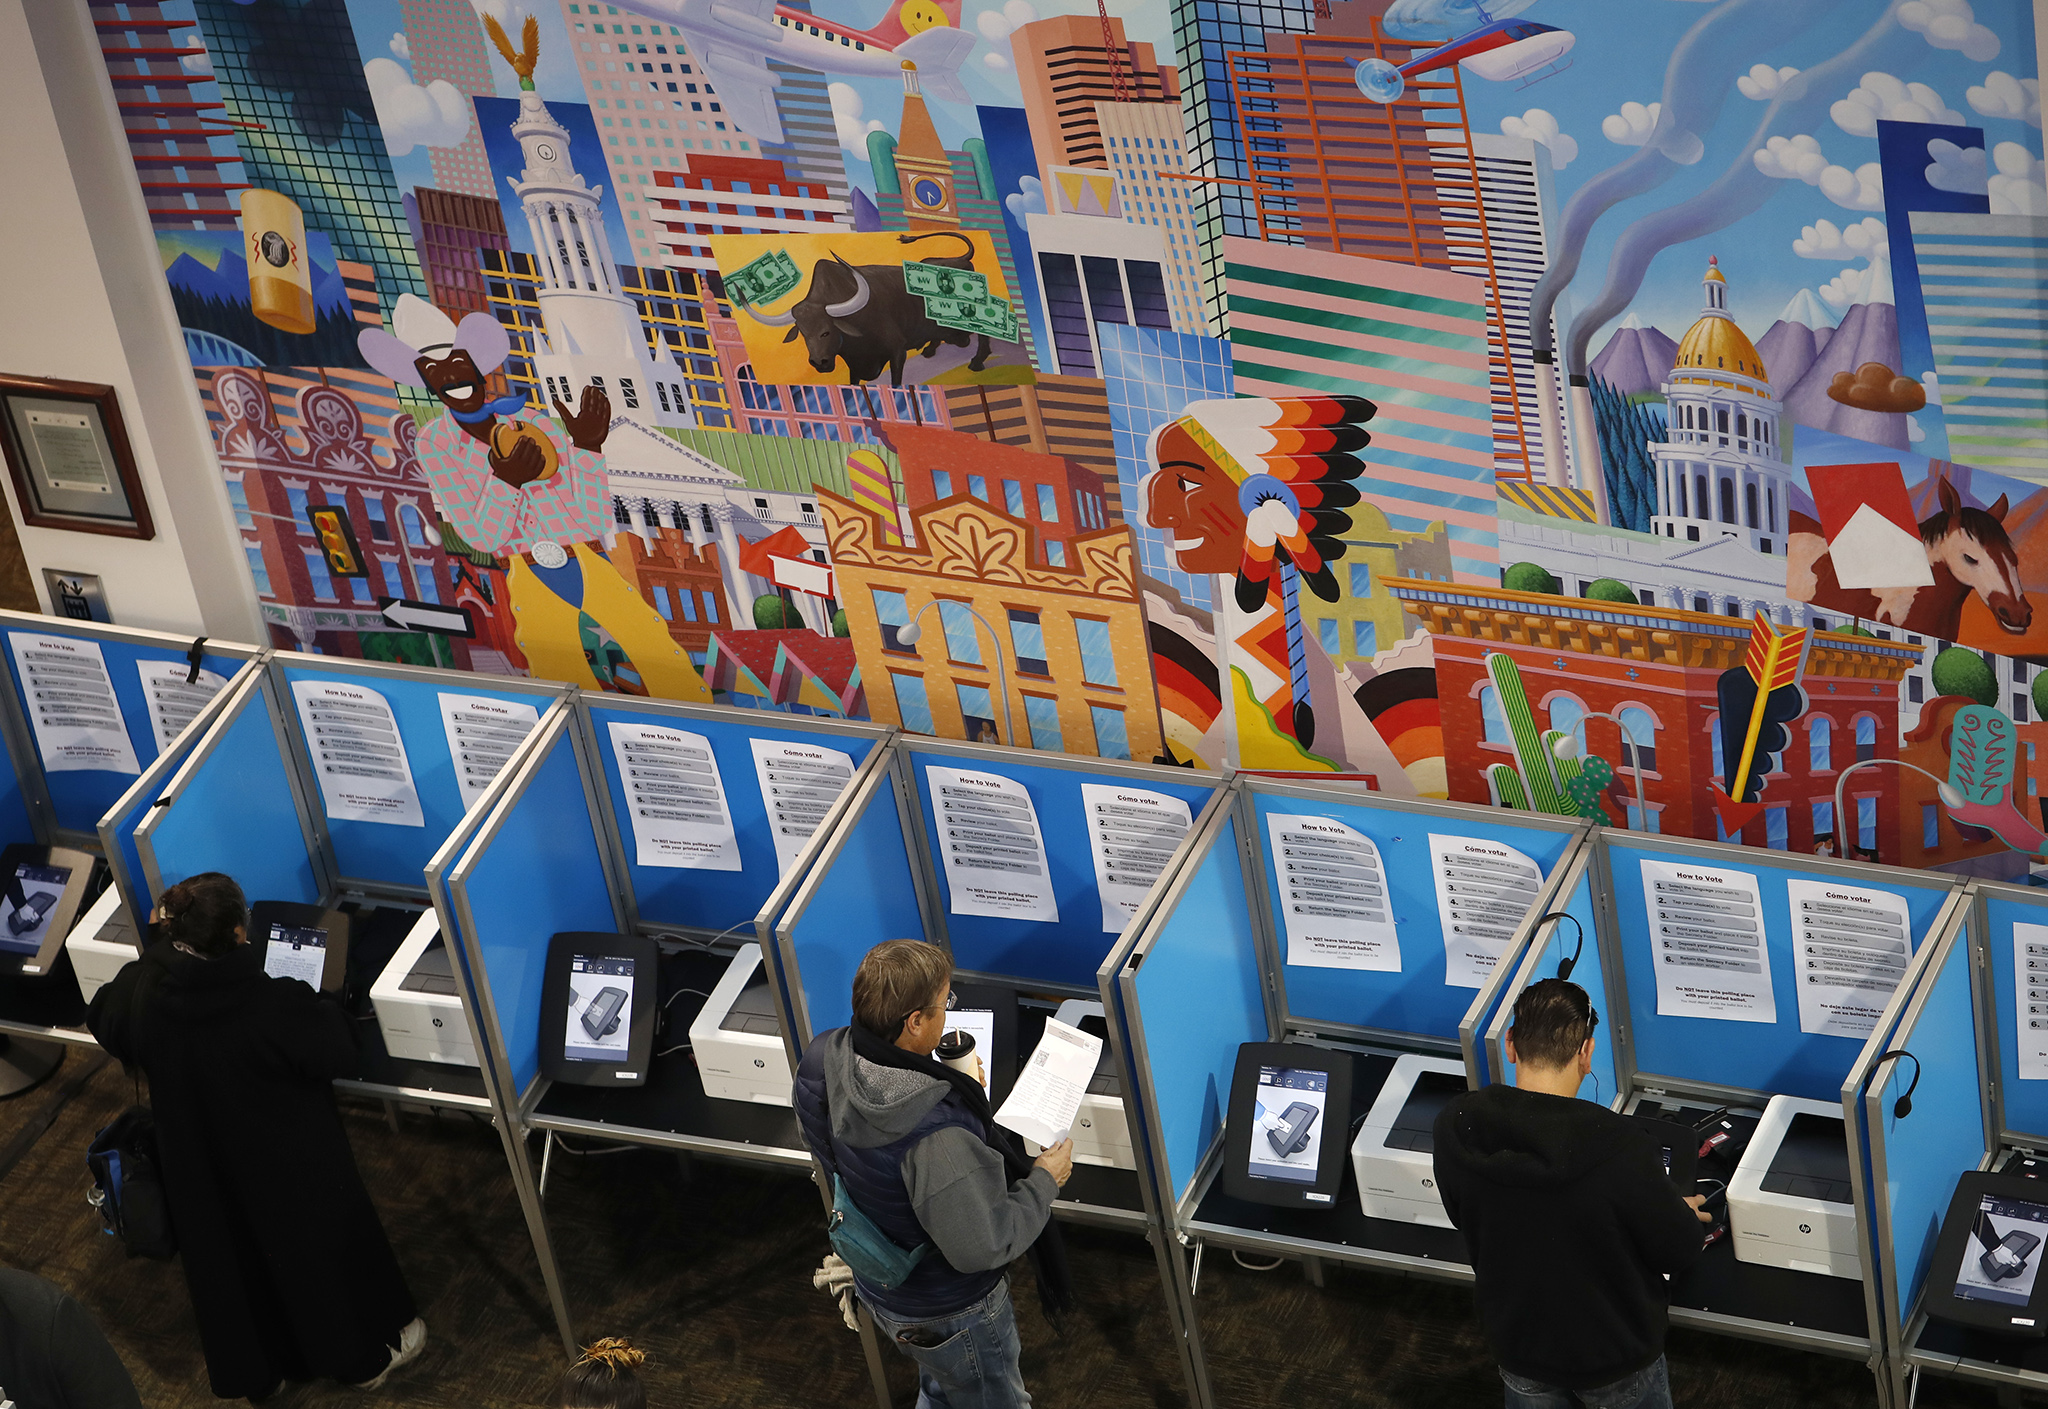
(128, 1187)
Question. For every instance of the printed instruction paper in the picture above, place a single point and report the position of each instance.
(1132, 834)
(358, 754)
(71, 703)
(1483, 892)
(1707, 939)
(2030, 981)
(1046, 1098)
(677, 798)
(482, 735)
(1852, 944)
(174, 701)
(993, 850)
(799, 784)
(1333, 893)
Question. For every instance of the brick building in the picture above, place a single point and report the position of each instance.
(450, 231)
(1064, 70)
(1061, 499)
(680, 580)
(1659, 670)
(1059, 415)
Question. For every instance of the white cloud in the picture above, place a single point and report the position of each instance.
(1631, 127)
(1893, 100)
(2017, 189)
(401, 46)
(2002, 95)
(1932, 384)
(1763, 82)
(1913, 431)
(1950, 24)
(996, 25)
(848, 114)
(196, 63)
(1853, 285)
(1860, 239)
(1953, 168)
(411, 116)
(1027, 199)
(1539, 126)
(996, 59)
(1800, 158)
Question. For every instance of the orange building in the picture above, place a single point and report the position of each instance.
(681, 582)
(1064, 70)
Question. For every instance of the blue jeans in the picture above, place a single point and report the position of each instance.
(1648, 1388)
(967, 1360)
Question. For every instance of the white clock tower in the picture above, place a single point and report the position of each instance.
(591, 333)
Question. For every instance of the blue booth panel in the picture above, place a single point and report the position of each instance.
(1416, 1000)
(16, 825)
(79, 797)
(1070, 949)
(1772, 1056)
(233, 807)
(2023, 1098)
(1556, 942)
(1192, 997)
(1916, 1160)
(705, 899)
(861, 891)
(392, 855)
(536, 869)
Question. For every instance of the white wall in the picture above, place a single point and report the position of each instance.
(84, 299)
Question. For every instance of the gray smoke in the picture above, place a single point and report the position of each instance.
(1697, 80)
(1741, 189)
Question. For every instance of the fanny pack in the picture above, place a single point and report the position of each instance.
(872, 1254)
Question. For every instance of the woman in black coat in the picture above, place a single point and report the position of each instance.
(291, 1275)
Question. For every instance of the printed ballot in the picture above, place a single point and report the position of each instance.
(1707, 940)
(1850, 945)
(799, 784)
(357, 754)
(71, 702)
(994, 853)
(483, 734)
(2030, 981)
(1047, 1096)
(676, 797)
(1132, 834)
(1333, 894)
(174, 699)
(1483, 892)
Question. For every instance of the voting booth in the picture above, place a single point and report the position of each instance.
(1375, 932)
(1742, 994)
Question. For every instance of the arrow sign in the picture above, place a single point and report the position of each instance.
(427, 616)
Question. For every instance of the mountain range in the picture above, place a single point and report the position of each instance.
(1636, 359)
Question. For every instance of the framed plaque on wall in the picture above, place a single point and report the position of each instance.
(68, 455)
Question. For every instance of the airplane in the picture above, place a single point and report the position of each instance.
(1498, 52)
(734, 40)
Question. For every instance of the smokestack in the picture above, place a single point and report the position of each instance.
(1557, 470)
(1586, 438)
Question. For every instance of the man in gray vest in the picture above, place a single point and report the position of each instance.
(916, 1148)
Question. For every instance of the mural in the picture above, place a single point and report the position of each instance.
(1638, 422)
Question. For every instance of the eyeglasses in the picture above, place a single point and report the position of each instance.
(952, 1002)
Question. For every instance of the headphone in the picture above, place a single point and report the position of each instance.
(1565, 966)
(1903, 1107)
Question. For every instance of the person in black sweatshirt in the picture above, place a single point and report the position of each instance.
(1570, 1219)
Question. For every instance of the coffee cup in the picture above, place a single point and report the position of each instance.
(956, 1050)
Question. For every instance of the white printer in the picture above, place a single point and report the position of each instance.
(101, 943)
(418, 1004)
(1102, 1130)
(737, 1037)
(1790, 1203)
(1394, 1154)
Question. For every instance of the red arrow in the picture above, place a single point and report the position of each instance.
(1734, 815)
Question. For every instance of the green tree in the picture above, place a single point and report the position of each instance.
(1852, 629)
(840, 628)
(1529, 577)
(1609, 589)
(2041, 694)
(1963, 672)
(774, 614)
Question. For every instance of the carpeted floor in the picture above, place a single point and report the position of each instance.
(708, 1269)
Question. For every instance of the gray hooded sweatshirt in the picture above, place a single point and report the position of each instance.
(957, 1184)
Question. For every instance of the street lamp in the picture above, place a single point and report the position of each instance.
(909, 635)
(1950, 798)
(1568, 747)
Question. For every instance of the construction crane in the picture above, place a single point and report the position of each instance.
(1115, 52)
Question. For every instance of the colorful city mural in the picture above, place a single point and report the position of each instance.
(1474, 400)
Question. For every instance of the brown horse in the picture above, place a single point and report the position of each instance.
(1968, 551)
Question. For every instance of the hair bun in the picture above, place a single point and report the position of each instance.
(615, 1353)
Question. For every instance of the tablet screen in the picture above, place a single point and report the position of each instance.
(1287, 1135)
(600, 1027)
(32, 893)
(291, 952)
(2003, 1254)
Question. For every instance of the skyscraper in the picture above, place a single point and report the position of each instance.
(446, 42)
(1064, 69)
(451, 231)
(1143, 141)
(185, 157)
(1520, 202)
(1985, 354)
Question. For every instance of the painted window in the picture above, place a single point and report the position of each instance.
(1714, 742)
(942, 485)
(297, 499)
(961, 643)
(1098, 661)
(662, 603)
(1565, 714)
(256, 568)
(1866, 823)
(1042, 717)
(912, 704)
(1638, 739)
(239, 497)
(1013, 497)
(1930, 825)
(415, 524)
(977, 485)
(977, 712)
(1365, 638)
(316, 568)
(380, 526)
(1361, 580)
(1819, 744)
(1866, 738)
(1027, 639)
(892, 613)
(1327, 633)
(1495, 719)
(1112, 740)
(1048, 504)
(1777, 834)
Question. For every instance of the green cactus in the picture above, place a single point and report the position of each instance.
(1541, 781)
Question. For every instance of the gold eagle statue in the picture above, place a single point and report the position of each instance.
(526, 56)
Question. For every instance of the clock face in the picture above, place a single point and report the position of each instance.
(545, 151)
(928, 192)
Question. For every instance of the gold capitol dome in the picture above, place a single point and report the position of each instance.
(1714, 342)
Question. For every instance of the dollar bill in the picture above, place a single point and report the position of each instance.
(993, 316)
(939, 281)
(946, 312)
(764, 280)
